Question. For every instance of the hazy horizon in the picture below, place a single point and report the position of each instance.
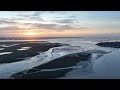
(59, 23)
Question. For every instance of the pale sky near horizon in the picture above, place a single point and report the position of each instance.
(59, 23)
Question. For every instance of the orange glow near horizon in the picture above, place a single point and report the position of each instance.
(53, 33)
(31, 34)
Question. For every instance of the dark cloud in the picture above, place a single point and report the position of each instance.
(68, 24)
(10, 28)
(45, 26)
(65, 21)
(7, 22)
(53, 26)
(69, 27)
(42, 26)
(65, 27)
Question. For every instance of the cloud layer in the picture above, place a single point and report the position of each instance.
(60, 21)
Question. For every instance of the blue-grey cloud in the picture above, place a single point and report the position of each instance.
(71, 17)
(59, 12)
(38, 13)
(35, 16)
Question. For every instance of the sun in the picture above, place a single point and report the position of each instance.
(31, 33)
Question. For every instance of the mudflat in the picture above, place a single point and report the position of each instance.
(53, 69)
(17, 54)
(109, 44)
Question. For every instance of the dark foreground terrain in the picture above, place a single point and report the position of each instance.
(109, 44)
(17, 55)
(63, 62)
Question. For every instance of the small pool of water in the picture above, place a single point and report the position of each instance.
(3, 53)
(5, 46)
(1, 48)
(23, 48)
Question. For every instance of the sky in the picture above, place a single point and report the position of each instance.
(59, 23)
